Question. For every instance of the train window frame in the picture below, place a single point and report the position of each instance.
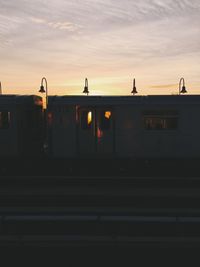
(160, 120)
(104, 121)
(4, 121)
(84, 119)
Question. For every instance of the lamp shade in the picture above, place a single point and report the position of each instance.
(183, 90)
(86, 91)
(42, 89)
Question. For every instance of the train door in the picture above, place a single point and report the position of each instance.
(95, 131)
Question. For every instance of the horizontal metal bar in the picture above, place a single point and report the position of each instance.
(100, 178)
(97, 238)
(86, 218)
(50, 218)
(99, 211)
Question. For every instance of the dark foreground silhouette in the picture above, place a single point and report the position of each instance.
(98, 204)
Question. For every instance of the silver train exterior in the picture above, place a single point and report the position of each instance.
(156, 126)
(21, 126)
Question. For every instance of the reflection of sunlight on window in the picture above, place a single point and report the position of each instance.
(89, 117)
(99, 133)
(107, 114)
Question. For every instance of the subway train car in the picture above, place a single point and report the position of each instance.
(111, 131)
(134, 127)
(21, 126)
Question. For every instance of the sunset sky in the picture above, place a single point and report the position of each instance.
(108, 41)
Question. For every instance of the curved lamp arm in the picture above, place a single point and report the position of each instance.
(42, 90)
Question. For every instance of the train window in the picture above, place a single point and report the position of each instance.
(4, 119)
(105, 120)
(86, 119)
(160, 120)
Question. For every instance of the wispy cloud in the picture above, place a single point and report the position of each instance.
(164, 86)
(108, 38)
(8, 26)
(60, 25)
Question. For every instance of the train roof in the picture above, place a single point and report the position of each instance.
(124, 100)
(20, 99)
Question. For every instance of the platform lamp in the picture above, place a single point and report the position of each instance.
(86, 91)
(42, 90)
(134, 91)
(0, 89)
(183, 89)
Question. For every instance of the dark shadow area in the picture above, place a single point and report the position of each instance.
(94, 167)
(100, 204)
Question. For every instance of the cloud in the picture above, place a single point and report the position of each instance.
(164, 86)
(90, 12)
(101, 37)
(60, 25)
(63, 26)
(38, 20)
(8, 26)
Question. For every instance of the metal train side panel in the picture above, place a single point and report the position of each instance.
(20, 134)
(157, 139)
(9, 145)
(188, 139)
(127, 131)
(179, 141)
(128, 127)
(62, 131)
(135, 140)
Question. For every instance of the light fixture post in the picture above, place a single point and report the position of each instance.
(183, 89)
(42, 90)
(0, 89)
(134, 91)
(85, 90)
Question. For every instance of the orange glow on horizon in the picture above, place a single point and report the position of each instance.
(100, 86)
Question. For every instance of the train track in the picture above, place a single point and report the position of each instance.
(122, 211)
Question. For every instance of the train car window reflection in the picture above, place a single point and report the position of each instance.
(161, 120)
(86, 119)
(4, 119)
(105, 120)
